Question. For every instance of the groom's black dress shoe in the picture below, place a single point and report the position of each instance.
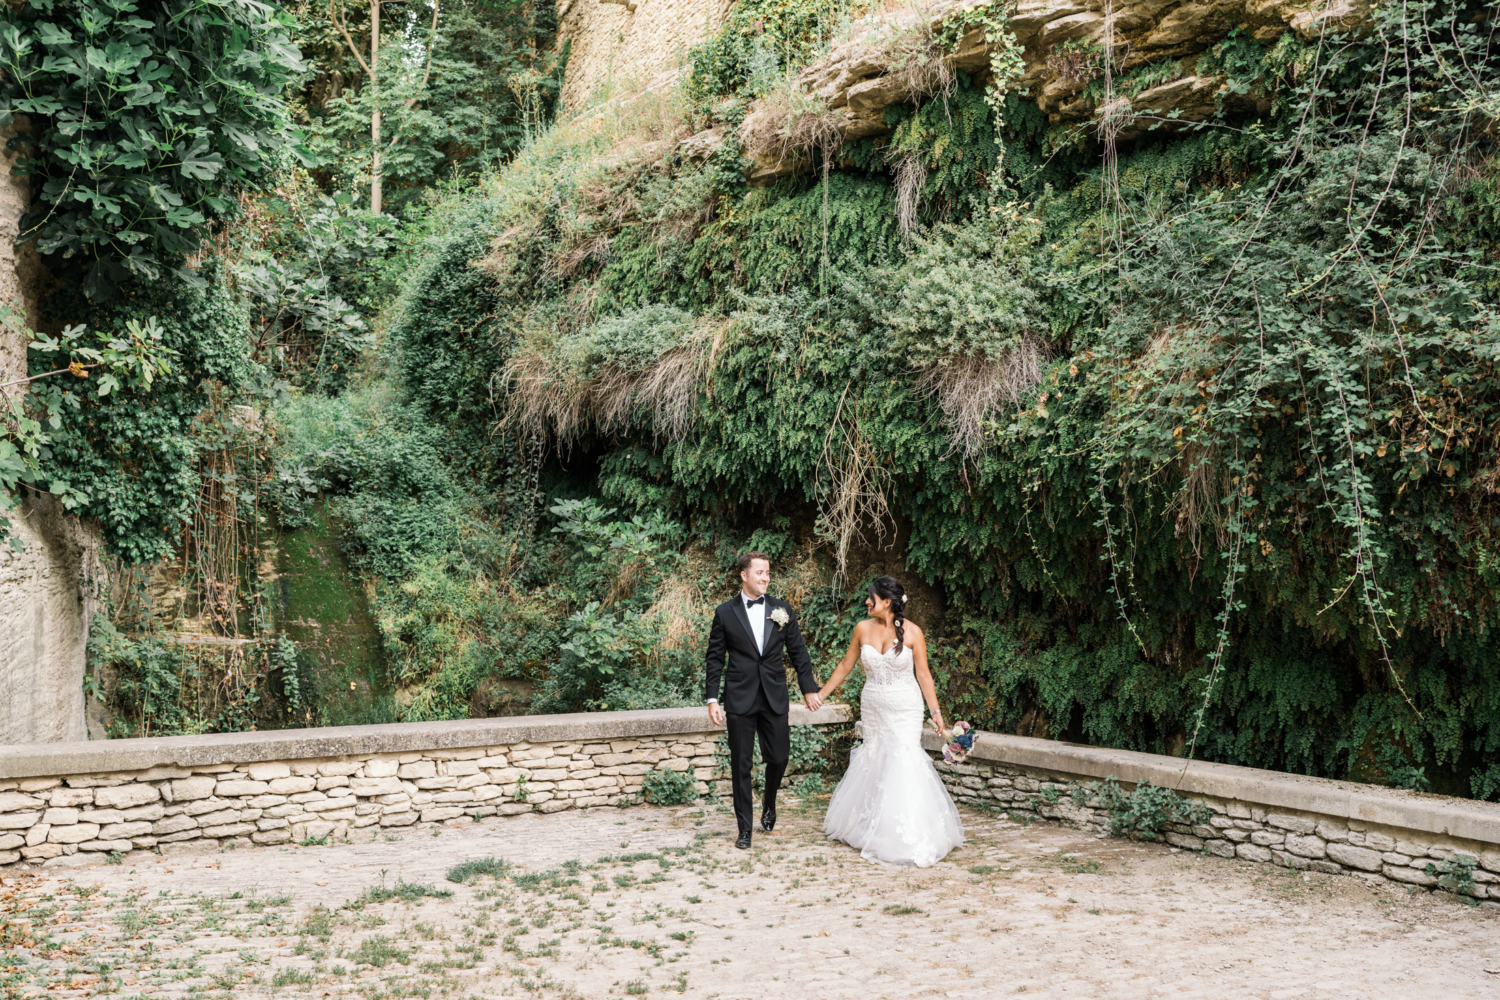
(768, 820)
(744, 842)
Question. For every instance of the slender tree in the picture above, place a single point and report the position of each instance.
(372, 73)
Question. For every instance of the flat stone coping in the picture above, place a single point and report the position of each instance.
(1467, 819)
(46, 760)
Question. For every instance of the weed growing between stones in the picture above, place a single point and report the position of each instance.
(468, 871)
(1456, 874)
(1141, 813)
(669, 788)
(408, 892)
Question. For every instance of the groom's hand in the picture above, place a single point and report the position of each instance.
(716, 714)
(813, 700)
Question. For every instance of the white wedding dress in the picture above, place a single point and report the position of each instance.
(891, 804)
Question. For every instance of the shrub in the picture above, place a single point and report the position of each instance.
(1141, 813)
(1456, 874)
(665, 787)
(204, 80)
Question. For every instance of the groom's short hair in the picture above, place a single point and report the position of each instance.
(746, 558)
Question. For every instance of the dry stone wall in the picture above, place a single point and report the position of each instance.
(1255, 814)
(195, 807)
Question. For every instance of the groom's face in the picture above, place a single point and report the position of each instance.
(757, 579)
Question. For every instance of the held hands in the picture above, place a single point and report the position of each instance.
(814, 701)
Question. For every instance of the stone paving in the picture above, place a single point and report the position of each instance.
(648, 901)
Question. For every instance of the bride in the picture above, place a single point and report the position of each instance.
(891, 804)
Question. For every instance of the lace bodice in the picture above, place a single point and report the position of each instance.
(888, 669)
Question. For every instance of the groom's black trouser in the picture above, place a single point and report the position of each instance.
(775, 750)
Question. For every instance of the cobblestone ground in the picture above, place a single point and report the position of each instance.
(645, 901)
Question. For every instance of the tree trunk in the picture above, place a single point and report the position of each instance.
(375, 118)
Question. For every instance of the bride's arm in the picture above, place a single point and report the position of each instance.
(845, 665)
(924, 679)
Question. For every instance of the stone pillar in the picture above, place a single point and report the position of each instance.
(46, 589)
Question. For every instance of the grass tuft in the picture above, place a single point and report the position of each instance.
(467, 871)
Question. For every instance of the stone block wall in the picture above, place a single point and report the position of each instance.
(191, 807)
(1261, 816)
(634, 44)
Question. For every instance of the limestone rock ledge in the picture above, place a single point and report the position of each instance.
(857, 80)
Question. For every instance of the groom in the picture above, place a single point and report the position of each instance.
(754, 632)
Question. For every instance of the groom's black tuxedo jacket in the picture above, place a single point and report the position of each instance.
(730, 640)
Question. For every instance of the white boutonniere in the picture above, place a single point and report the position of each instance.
(779, 616)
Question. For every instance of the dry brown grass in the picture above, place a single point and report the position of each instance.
(916, 61)
(599, 155)
(801, 575)
(683, 604)
(546, 398)
(852, 485)
(680, 600)
(790, 123)
(911, 176)
(968, 388)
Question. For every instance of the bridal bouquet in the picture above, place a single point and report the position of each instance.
(960, 743)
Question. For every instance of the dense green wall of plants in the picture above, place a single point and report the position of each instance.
(1187, 438)
(1233, 493)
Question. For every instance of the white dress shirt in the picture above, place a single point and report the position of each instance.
(757, 615)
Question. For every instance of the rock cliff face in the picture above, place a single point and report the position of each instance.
(45, 589)
(1062, 45)
(630, 43)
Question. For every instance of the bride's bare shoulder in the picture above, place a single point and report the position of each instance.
(862, 629)
(913, 633)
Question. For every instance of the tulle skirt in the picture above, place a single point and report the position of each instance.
(891, 804)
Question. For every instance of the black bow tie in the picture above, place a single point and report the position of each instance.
(759, 600)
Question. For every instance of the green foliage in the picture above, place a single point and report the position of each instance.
(283, 658)
(494, 80)
(307, 283)
(666, 787)
(809, 786)
(955, 142)
(161, 688)
(398, 504)
(1244, 511)
(379, 951)
(1142, 813)
(149, 114)
(968, 291)
(129, 458)
(468, 871)
(132, 358)
(406, 892)
(629, 342)
(760, 40)
(1456, 874)
(1006, 65)
(1186, 458)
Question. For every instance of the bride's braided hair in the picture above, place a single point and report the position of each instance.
(888, 588)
